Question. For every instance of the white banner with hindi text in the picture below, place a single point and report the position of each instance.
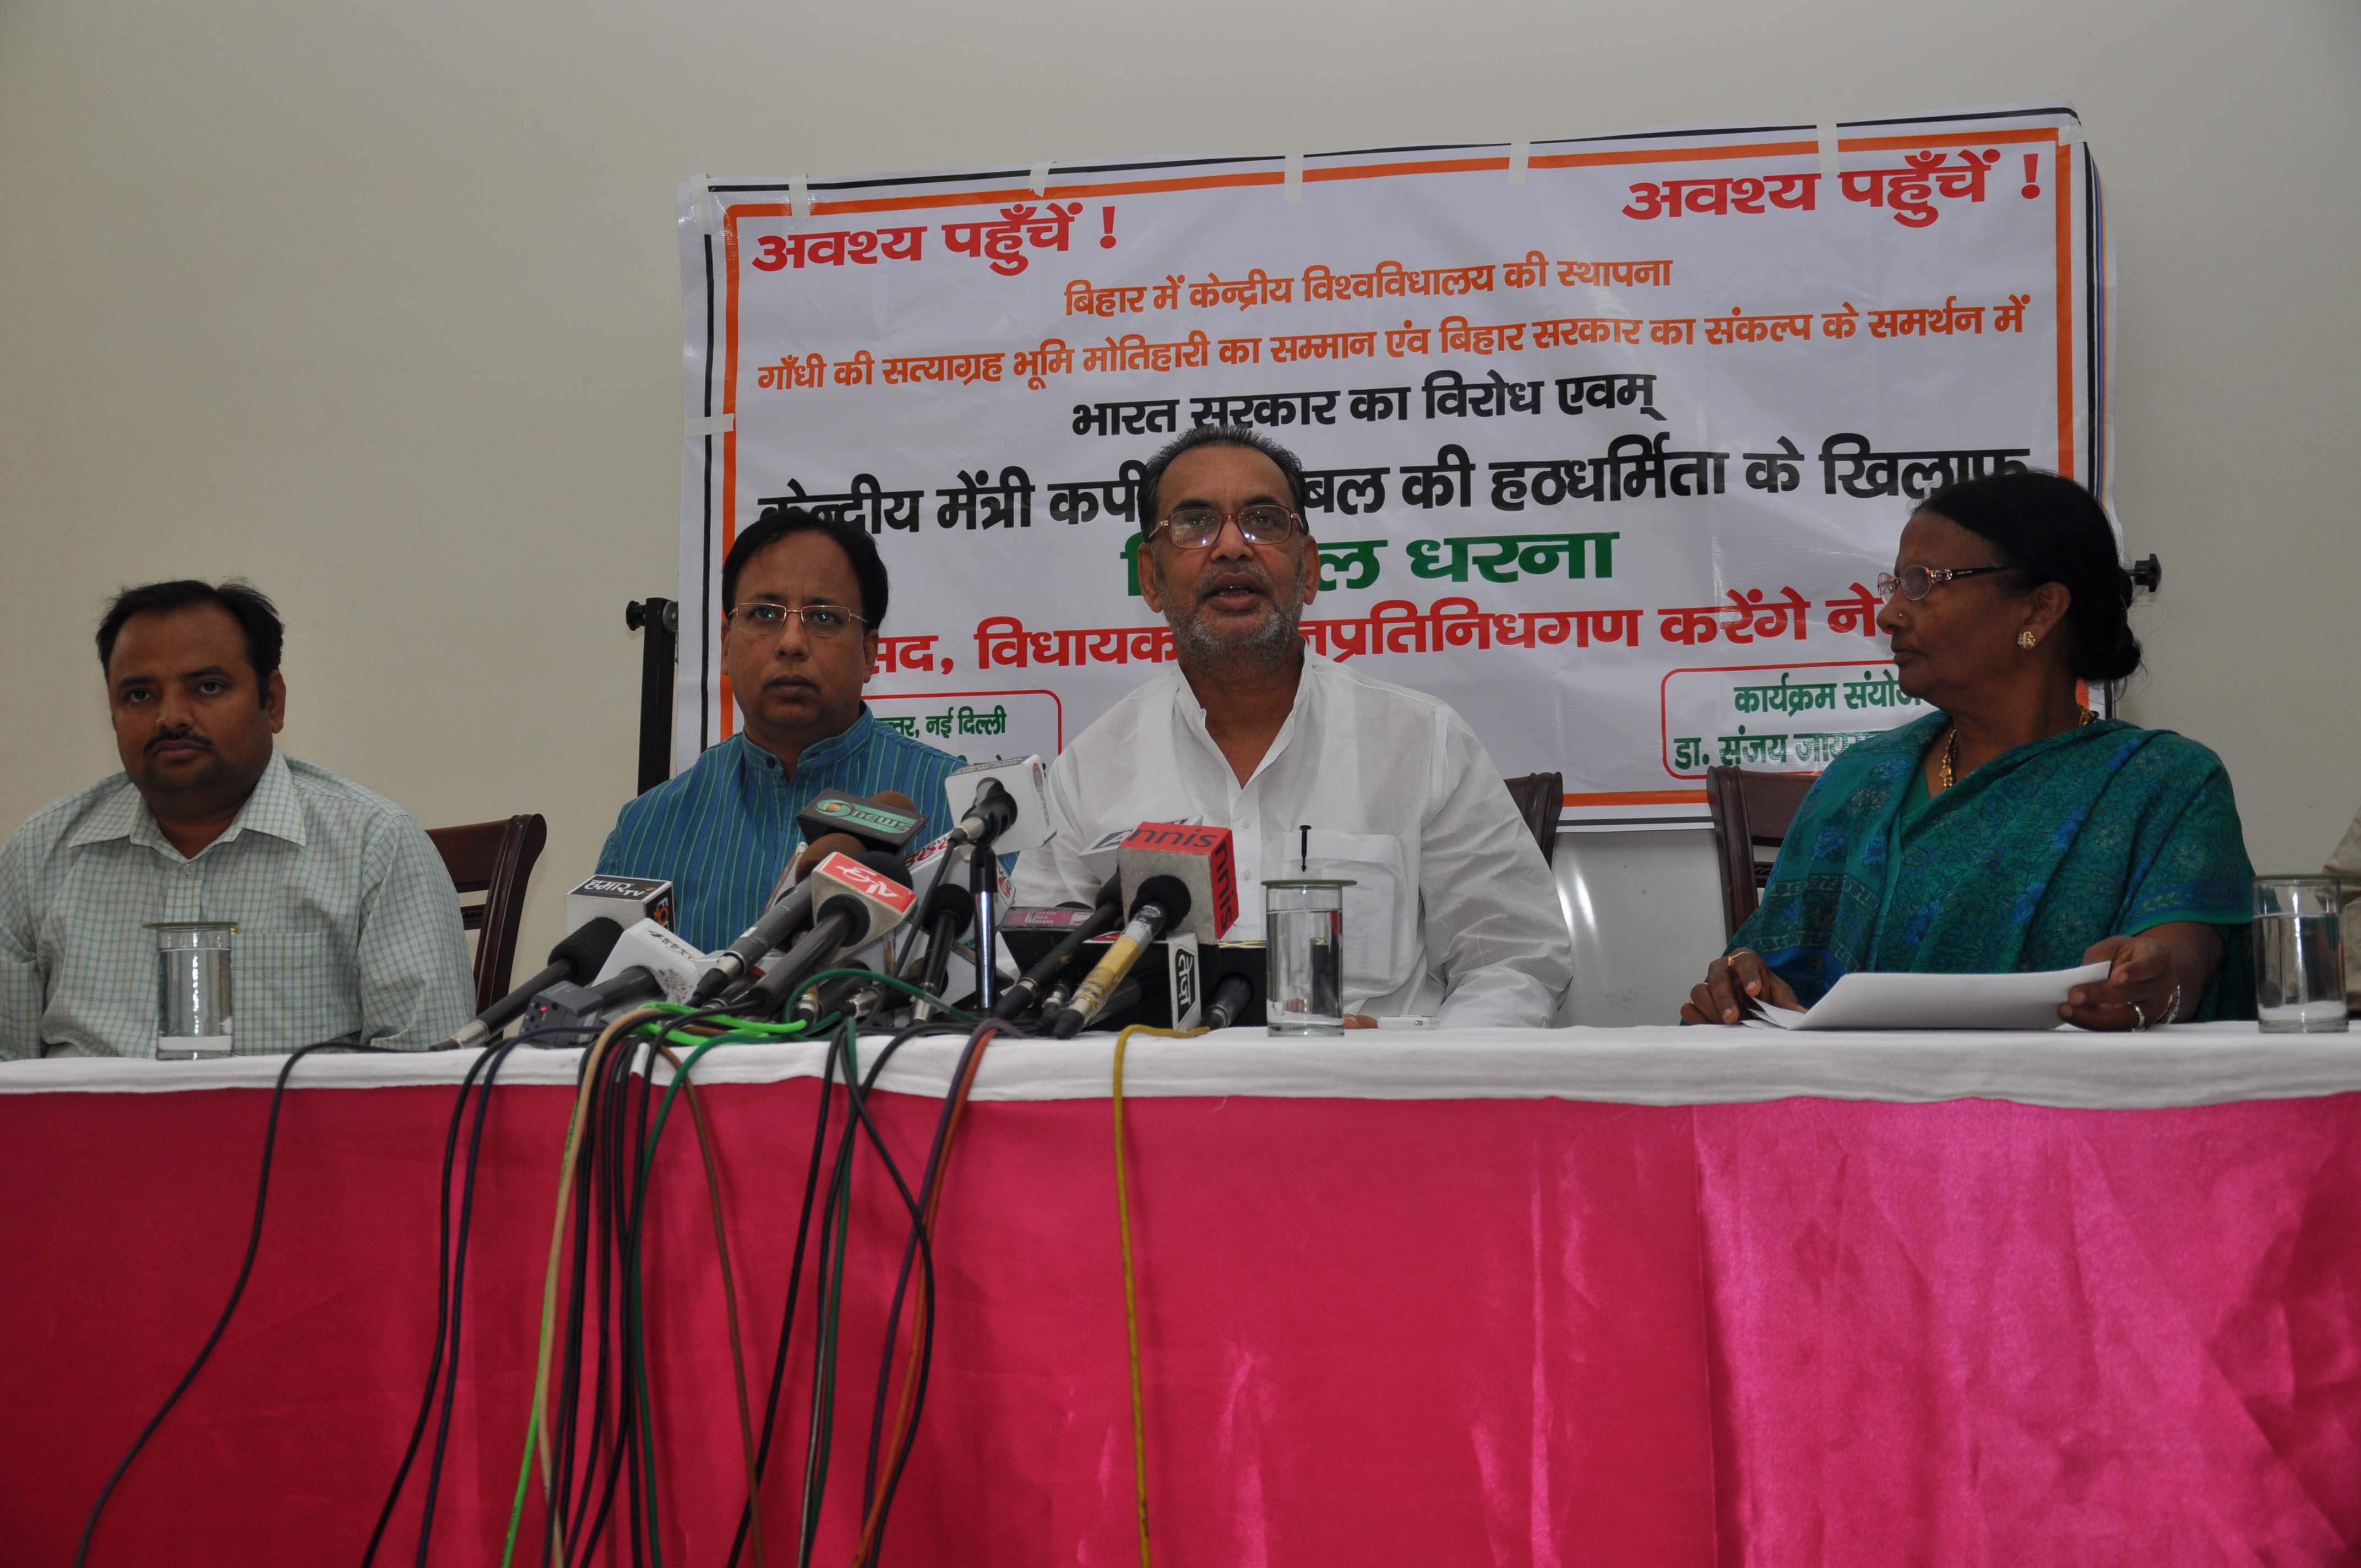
(1608, 441)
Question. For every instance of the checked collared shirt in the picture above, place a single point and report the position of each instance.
(347, 923)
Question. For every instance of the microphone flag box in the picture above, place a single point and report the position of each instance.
(625, 900)
(889, 901)
(655, 947)
(1058, 920)
(1183, 981)
(832, 811)
(1028, 783)
(1201, 856)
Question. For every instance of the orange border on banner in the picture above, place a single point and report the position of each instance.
(2061, 180)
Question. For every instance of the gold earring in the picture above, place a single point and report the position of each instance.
(2025, 639)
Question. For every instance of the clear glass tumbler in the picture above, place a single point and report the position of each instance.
(1304, 940)
(192, 988)
(2299, 955)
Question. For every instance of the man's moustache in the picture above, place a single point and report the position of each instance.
(163, 740)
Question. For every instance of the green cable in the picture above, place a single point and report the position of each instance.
(915, 992)
(738, 1031)
(735, 1025)
(638, 1299)
(742, 1030)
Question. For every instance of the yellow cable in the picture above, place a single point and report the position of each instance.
(1130, 1289)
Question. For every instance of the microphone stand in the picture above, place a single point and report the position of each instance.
(984, 881)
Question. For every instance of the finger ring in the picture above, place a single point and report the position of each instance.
(2140, 1014)
(2172, 1007)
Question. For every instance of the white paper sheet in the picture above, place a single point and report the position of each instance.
(1865, 1001)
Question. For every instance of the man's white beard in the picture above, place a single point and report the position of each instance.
(1267, 652)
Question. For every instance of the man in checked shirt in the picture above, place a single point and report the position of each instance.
(347, 923)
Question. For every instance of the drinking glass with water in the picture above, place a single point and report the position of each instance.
(1304, 938)
(192, 988)
(2299, 955)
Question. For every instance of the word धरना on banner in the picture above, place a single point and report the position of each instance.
(1606, 452)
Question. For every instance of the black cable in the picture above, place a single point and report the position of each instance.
(643, 1494)
(620, 1158)
(237, 1291)
(902, 1280)
(835, 1216)
(817, 1464)
(612, 1201)
(936, 1156)
(811, 1183)
(614, 1169)
(497, 1056)
(787, 1312)
(441, 1309)
(860, 1105)
(569, 1386)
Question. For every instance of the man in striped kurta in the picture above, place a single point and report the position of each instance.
(801, 599)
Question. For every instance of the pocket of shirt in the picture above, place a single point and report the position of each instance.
(288, 989)
(1375, 863)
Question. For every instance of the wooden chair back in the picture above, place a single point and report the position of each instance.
(1540, 797)
(1752, 812)
(494, 860)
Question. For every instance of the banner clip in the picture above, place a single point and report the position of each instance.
(1828, 149)
(1520, 155)
(711, 424)
(1040, 180)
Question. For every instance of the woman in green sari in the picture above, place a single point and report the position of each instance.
(2010, 829)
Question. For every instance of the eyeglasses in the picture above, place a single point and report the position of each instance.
(1193, 528)
(1916, 582)
(826, 621)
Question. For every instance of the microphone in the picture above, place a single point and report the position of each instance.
(856, 902)
(1162, 904)
(991, 814)
(1006, 805)
(1231, 998)
(625, 899)
(1201, 858)
(648, 961)
(569, 1006)
(1105, 918)
(888, 820)
(582, 952)
(780, 919)
(950, 911)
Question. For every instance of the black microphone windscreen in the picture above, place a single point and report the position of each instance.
(583, 951)
(1169, 893)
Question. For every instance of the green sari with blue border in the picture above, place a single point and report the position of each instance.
(2103, 830)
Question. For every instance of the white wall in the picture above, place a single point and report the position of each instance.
(378, 304)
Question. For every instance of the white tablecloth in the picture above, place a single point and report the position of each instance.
(2191, 1064)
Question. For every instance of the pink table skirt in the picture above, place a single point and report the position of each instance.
(1375, 1332)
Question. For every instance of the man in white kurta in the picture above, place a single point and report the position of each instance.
(1316, 768)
